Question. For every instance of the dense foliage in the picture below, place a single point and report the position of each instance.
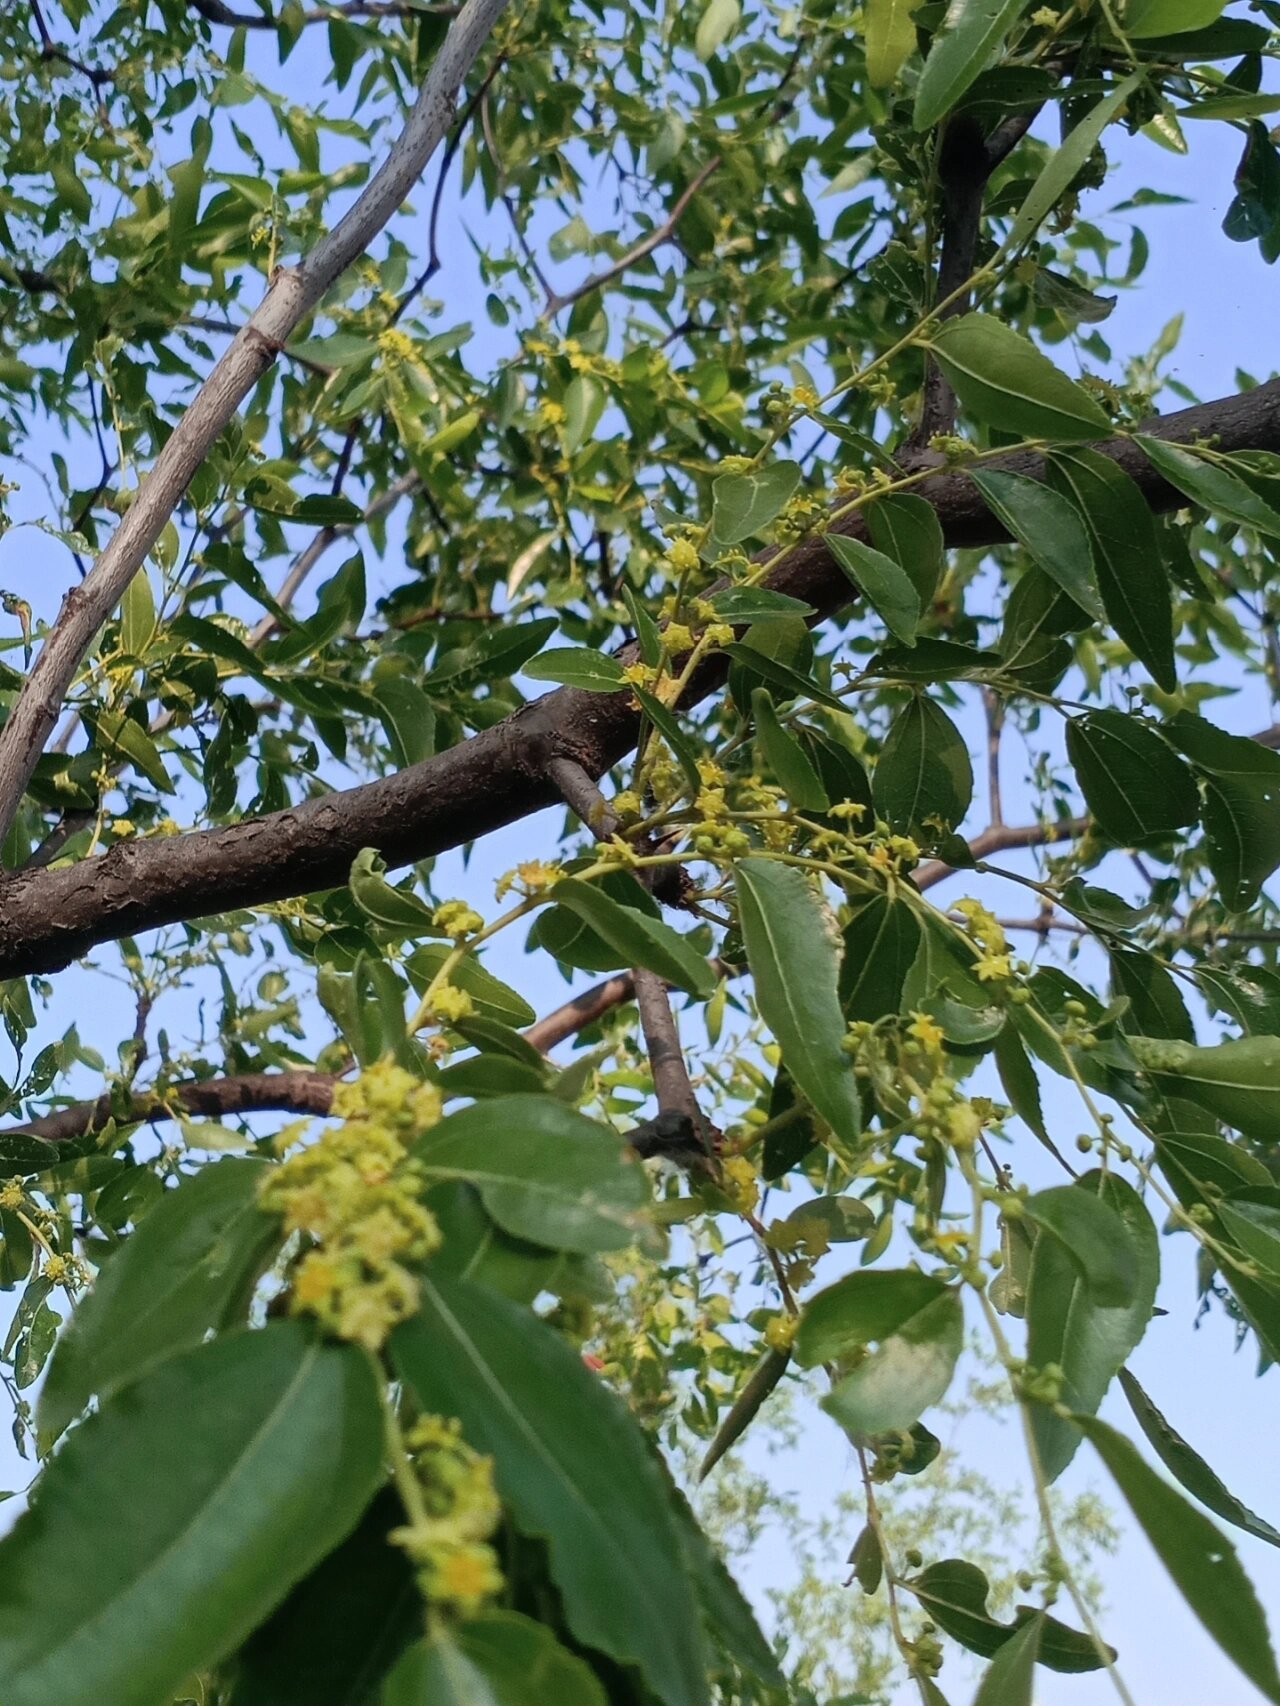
(366, 365)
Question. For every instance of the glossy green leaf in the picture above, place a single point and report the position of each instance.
(137, 615)
(545, 1172)
(1005, 381)
(683, 748)
(648, 633)
(577, 666)
(407, 715)
(191, 1261)
(727, 1617)
(584, 402)
(127, 742)
(573, 1468)
(1089, 1342)
(886, 586)
(638, 939)
(499, 1659)
(174, 1519)
(1156, 1007)
(760, 1384)
(1048, 528)
(786, 758)
(1189, 1468)
(1213, 487)
(908, 1371)
(1238, 1082)
(745, 504)
(971, 35)
(1146, 18)
(1010, 1681)
(393, 908)
(790, 683)
(568, 936)
(861, 1309)
(793, 961)
(906, 528)
(1095, 1238)
(1241, 814)
(923, 779)
(1063, 165)
(1133, 782)
(1253, 1220)
(492, 998)
(890, 39)
(1126, 554)
(954, 1593)
(342, 1627)
(881, 941)
(1198, 1556)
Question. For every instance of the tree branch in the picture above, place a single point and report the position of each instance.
(49, 918)
(214, 12)
(293, 293)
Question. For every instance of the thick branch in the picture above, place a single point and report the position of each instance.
(49, 918)
(216, 13)
(293, 293)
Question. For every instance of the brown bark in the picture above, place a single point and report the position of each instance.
(49, 918)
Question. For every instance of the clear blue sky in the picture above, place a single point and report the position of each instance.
(1209, 1391)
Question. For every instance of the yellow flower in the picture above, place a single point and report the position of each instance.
(683, 557)
(457, 919)
(994, 968)
(925, 1031)
(677, 639)
(741, 1183)
(11, 1195)
(464, 1577)
(963, 1125)
(395, 345)
(449, 1004)
(638, 674)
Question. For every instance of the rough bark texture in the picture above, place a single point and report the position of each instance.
(50, 918)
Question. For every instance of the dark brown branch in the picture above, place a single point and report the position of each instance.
(50, 918)
(214, 12)
(49, 50)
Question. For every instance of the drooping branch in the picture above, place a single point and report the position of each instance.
(50, 918)
(293, 293)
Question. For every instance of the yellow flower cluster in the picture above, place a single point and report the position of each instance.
(683, 556)
(448, 1543)
(530, 878)
(395, 345)
(995, 963)
(740, 1183)
(449, 1004)
(354, 1196)
(457, 919)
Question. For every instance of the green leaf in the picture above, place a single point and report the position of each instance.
(890, 39)
(1094, 1237)
(1238, 1082)
(860, 1309)
(574, 1470)
(1144, 18)
(745, 504)
(1188, 1467)
(128, 742)
(1005, 381)
(545, 1172)
(638, 939)
(793, 961)
(746, 1407)
(1156, 1007)
(577, 666)
(499, 1659)
(137, 615)
(682, 747)
(493, 999)
(342, 1627)
(395, 909)
(716, 25)
(154, 1547)
(1241, 782)
(584, 402)
(1213, 487)
(756, 604)
(1126, 555)
(192, 1260)
(907, 1372)
(648, 633)
(881, 941)
(1066, 1325)
(1063, 165)
(407, 715)
(572, 940)
(726, 1614)
(1199, 1557)
(1133, 783)
(970, 38)
(954, 1593)
(906, 528)
(923, 780)
(785, 757)
(1048, 528)
(1253, 1220)
(789, 682)
(1011, 1678)
(886, 586)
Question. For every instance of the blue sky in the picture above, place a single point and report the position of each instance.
(1209, 1391)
